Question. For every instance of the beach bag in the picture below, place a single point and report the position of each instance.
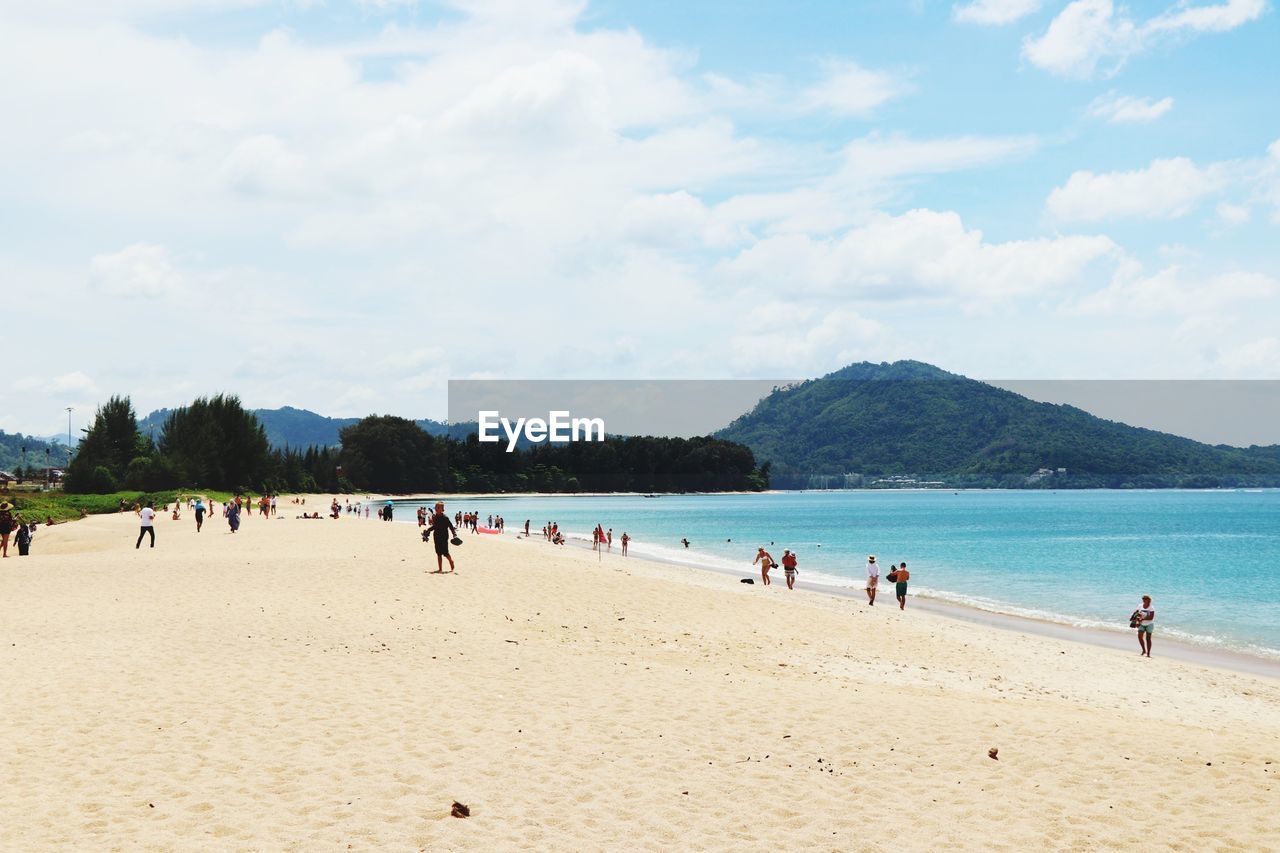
(1135, 619)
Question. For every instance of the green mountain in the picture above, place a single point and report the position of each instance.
(881, 424)
(288, 426)
(11, 452)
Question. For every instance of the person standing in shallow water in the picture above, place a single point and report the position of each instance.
(765, 559)
(1146, 624)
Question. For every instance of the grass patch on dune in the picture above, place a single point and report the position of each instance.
(60, 506)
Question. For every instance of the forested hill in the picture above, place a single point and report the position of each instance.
(11, 455)
(913, 421)
(289, 427)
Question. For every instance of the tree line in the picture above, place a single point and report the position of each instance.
(216, 443)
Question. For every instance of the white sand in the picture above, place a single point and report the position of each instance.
(304, 685)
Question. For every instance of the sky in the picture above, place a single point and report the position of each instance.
(342, 205)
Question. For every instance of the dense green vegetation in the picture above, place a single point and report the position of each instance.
(216, 443)
(913, 420)
(634, 464)
(213, 441)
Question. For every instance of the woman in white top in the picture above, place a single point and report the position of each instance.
(873, 579)
(1146, 624)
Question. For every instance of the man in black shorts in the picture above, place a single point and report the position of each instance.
(441, 530)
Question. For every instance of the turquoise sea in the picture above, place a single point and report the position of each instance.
(1210, 559)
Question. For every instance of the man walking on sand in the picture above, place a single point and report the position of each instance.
(899, 577)
(873, 579)
(789, 568)
(441, 530)
(148, 518)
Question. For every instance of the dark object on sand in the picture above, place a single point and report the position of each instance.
(460, 810)
(991, 753)
(747, 580)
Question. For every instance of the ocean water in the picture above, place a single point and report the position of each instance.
(1209, 559)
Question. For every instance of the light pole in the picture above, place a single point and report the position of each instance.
(70, 409)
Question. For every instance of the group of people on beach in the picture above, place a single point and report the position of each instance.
(233, 511)
(441, 531)
(790, 565)
(897, 575)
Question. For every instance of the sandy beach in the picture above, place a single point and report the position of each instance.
(308, 685)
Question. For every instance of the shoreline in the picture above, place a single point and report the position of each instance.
(1213, 658)
(1224, 658)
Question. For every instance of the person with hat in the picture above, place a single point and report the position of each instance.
(789, 567)
(6, 526)
(873, 579)
(441, 529)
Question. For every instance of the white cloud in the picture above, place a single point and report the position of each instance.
(264, 165)
(993, 12)
(140, 270)
(869, 171)
(1233, 214)
(75, 381)
(815, 340)
(1259, 357)
(922, 254)
(848, 89)
(1127, 109)
(1085, 33)
(1176, 291)
(1091, 33)
(1167, 189)
(1171, 188)
(1214, 18)
(879, 157)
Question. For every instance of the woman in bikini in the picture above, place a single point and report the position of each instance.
(765, 559)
